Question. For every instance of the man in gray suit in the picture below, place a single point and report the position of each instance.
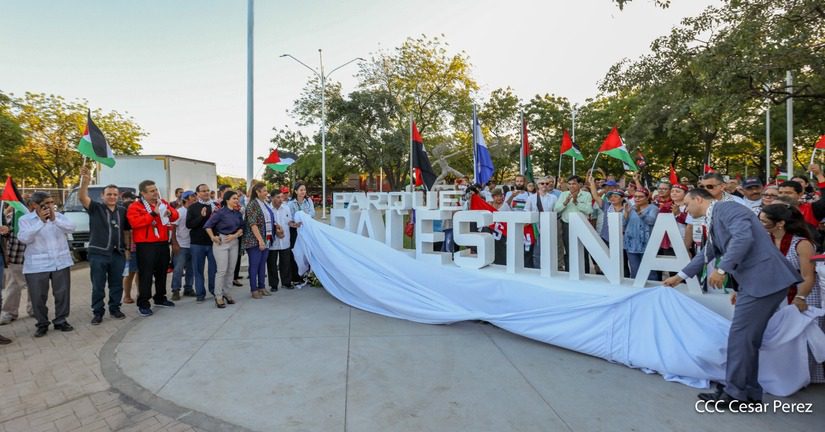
(764, 276)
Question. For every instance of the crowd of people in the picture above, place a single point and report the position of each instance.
(144, 238)
(786, 216)
(201, 239)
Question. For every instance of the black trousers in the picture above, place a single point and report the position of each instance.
(293, 237)
(279, 263)
(237, 273)
(153, 261)
(565, 239)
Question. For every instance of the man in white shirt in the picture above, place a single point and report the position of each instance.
(47, 258)
(279, 260)
(573, 200)
(752, 189)
(542, 201)
(181, 249)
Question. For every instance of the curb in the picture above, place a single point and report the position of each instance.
(136, 394)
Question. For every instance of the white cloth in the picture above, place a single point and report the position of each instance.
(47, 248)
(688, 344)
(283, 216)
(181, 231)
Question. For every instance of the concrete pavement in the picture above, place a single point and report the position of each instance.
(302, 361)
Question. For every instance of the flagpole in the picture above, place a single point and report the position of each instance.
(789, 122)
(574, 111)
(475, 162)
(412, 170)
(768, 143)
(811, 173)
(521, 167)
(594, 163)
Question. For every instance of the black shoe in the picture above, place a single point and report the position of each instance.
(97, 319)
(274, 289)
(4, 340)
(65, 327)
(188, 293)
(176, 295)
(200, 299)
(41, 331)
(722, 401)
(117, 314)
(165, 303)
(236, 283)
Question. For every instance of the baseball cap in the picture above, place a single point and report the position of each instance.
(611, 183)
(284, 189)
(751, 182)
(187, 194)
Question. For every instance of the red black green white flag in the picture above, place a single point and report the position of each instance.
(569, 148)
(424, 174)
(280, 160)
(11, 197)
(94, 145)
(527, 163)
(614, 147)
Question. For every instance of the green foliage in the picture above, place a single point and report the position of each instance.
(52, 127)
(11, 136)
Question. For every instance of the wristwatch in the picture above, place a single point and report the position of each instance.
(721, 272)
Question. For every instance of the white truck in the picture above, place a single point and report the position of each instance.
(168, 173)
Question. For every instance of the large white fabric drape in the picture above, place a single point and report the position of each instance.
(656, 330)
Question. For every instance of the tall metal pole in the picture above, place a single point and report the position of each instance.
(323, 138)
(789, 114)
(250, 146)
(412, 149)
(573, 111)
(521, 167)
(768, 143)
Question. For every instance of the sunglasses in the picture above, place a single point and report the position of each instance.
(709, 187)
(543, 183)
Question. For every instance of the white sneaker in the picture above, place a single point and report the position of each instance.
(6, 319)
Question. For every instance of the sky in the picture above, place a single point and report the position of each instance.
(179, 66)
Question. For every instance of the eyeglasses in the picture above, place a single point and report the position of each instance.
(709, 186)
(543, 183)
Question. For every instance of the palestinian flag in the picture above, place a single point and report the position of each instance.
(11, 197)
(614, 147)
(674, 179)
(527, 169)
(569, 148)
(424, 174)
(500, 228)
(280, 161)
(709, 169)
(821, 143)
(641, 162)
(93, 145)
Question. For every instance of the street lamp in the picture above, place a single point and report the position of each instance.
(323, 77)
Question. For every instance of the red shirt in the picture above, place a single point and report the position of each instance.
(141, 221)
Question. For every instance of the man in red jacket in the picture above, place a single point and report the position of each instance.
(149, 216)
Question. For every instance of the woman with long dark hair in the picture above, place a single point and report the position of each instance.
(258, 232)
(225, 227)
(299, 203)
(789, 231)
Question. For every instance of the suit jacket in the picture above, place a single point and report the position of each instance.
(747, 252)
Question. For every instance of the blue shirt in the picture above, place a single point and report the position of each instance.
(225, 221)
(637, 229)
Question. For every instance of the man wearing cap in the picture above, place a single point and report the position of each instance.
(752, 188)
(181, 249)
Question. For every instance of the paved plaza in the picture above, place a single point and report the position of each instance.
(302, 361)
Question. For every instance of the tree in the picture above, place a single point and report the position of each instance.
(52, 127)
(11, 136)
(308, 166)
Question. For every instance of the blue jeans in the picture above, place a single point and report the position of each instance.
(635, 260)
(199, 253)
(448, 245)
(257, 268)
(182, 261)
(106, 269)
